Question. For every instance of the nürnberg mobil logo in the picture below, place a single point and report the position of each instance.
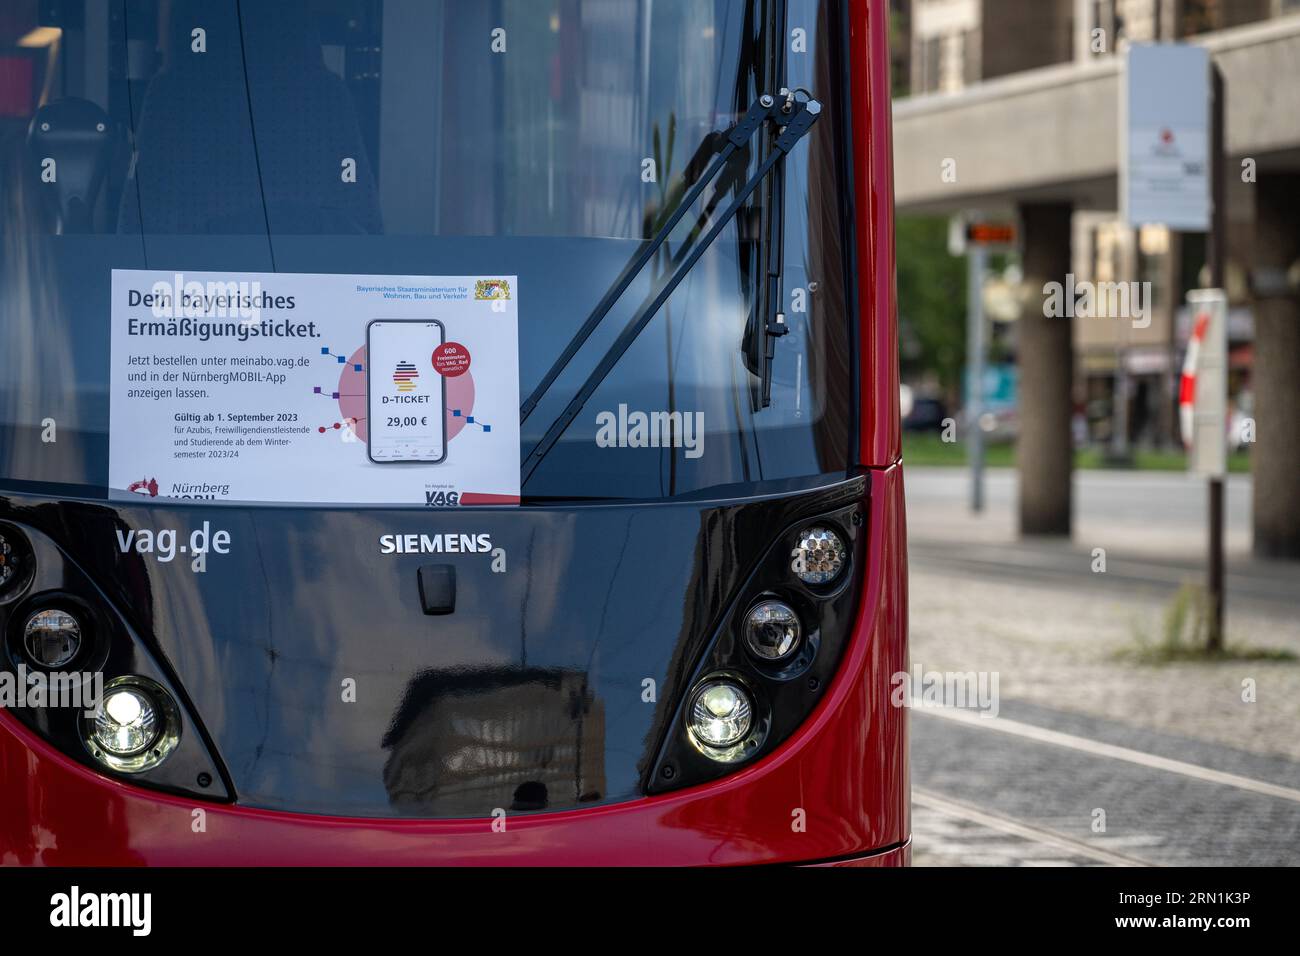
(145, 486)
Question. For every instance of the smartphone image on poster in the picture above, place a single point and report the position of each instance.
(405, 396)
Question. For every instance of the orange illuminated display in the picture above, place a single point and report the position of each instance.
(989, 234)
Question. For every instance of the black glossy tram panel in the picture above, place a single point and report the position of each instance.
(308, 655)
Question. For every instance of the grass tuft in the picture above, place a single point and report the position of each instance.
(1184, 636)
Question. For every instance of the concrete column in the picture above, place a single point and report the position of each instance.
(1276, 453)
(1044, 450)
(1081, 24)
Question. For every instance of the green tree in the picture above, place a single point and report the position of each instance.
(931, 301)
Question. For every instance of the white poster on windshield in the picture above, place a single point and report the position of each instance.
(1165, 165)
(324, 389)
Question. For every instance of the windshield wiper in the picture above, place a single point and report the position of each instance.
(788, 113)
(766, 322)
(736, 138)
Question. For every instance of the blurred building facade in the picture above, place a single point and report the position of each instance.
(1021, 98)
(956, 43)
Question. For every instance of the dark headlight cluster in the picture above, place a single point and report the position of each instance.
(128, 719)
(762, 673)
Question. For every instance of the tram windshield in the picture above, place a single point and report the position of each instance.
(541, 139)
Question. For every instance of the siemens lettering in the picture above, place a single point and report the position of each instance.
(435, 543)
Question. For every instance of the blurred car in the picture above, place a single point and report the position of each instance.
(926, 415)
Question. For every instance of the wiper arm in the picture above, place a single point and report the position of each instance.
(767, 323)
(772, 301)
(794, 117)
(736, 138)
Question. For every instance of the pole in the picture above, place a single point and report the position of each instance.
(1218, 246)
(1214, 638)
(976, 261)
(1120, 451)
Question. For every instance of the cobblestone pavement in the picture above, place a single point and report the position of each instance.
(947, 836)
(988, 797)
(1056, 646)
(1038, 617)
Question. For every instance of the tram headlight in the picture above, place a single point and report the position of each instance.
(772, 630)
(16, 562)
(52, 637)
(135, 726)
(721, 718)
(819, 556)
(10, 563)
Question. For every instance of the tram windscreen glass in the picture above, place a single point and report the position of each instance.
(541, 139)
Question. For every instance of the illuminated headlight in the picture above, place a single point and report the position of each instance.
(135, 726)
(721, 717)
(127, 723)
(772, 630)
(819, 556)
(52, 637)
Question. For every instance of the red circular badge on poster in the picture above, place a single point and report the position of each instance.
(451, 359)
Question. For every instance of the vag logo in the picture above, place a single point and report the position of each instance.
(441, 499)
(73, 909)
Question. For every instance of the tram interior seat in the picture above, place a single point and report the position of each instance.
(247, 137)
(69, 147)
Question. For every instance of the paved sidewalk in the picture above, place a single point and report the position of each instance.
(1035, 614)
(1159, 514)
(1151, 526)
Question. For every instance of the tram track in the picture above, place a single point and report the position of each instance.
(1020, 785)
